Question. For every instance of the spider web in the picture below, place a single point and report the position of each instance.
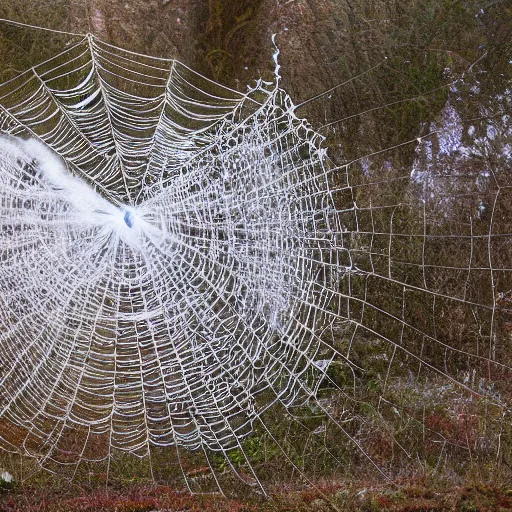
(181, 261)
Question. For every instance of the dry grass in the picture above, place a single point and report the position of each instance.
(415, 495)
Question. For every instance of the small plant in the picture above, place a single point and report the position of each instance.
(6, 480)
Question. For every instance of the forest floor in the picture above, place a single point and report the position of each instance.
(419, 496)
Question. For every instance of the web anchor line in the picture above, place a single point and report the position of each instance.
(37, 27)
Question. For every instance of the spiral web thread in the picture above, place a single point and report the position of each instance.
(177, 258)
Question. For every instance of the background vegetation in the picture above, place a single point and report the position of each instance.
(446, 445)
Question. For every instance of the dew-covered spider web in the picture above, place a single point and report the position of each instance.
(182, 265)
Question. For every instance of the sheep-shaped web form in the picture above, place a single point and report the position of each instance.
(168, 255)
